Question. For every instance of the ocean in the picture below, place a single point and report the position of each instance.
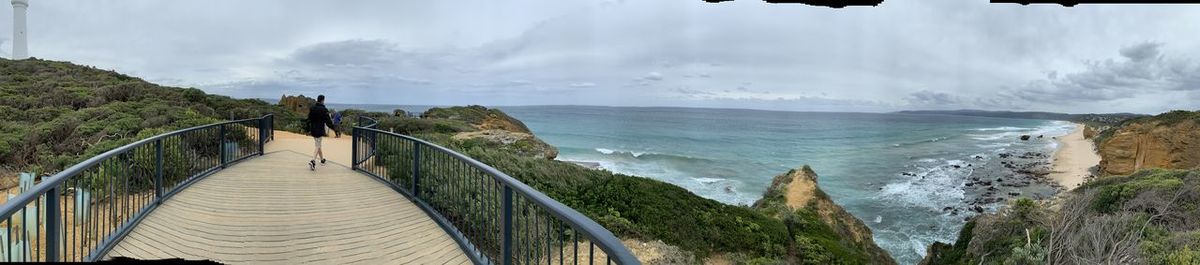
(912, 179)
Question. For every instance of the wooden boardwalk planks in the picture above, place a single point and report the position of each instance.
(272, 209)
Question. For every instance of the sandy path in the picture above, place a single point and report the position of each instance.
(334, 149)
(1074, 158)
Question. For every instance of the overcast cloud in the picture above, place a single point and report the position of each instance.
(941, 54)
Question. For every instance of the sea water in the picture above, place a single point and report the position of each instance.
(896, 172)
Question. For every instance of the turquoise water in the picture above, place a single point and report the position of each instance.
(732, 155)
(898, 173)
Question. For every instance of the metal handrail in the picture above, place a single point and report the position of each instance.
(366, 122)
(599, 236)
(54, 219)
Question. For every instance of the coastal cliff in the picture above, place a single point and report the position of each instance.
(1141, 212)
(795, 198)
(495, 128)
(298, 104)
(480, 117)
(1170, 140)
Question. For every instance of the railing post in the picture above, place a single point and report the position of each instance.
(157, 174)
(221, 143)
(262, 135)
(354, 148)
(53, 217)
(416, 169)
(507, 226)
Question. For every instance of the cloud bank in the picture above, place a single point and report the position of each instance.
(939, 54)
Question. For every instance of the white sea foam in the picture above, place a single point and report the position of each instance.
(1051, 129)
(707, 180)
(994, 145)
(1005, 128)
(931, 187)
(604, 151)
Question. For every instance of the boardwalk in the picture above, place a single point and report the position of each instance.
(272, 209)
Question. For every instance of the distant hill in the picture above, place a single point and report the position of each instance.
(1100, 119)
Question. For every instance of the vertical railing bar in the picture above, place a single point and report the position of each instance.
(354, 148)
(591, 253)
(506, 247)
(527, 237)
(37, 225)
(112, 199)
(562, 248)
(8, 240)
(262, 135)
(75, 220)
(221, 145)
(575, 250)
(416, 168)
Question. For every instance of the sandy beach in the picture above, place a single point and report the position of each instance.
(1074, 159)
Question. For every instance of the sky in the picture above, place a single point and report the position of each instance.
(900, 55)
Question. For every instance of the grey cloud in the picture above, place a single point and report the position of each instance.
(1141, 52)
(653, 76)
(932, 98)
(1142, 72)
(693, 92)
(582, 84)
(409, 52)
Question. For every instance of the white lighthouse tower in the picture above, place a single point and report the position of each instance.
(20, 42)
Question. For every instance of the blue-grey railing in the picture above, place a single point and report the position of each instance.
(494, 217)
(80, 213)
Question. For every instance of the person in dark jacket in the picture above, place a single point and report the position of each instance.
(318, 118)
(337, 123)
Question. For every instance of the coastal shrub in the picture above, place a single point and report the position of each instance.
(1113, 192)
(629, 206)
(55, 114)
(478, 115)
(816, 242)
(942, 253)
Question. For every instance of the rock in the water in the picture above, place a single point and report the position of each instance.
(1025, 137)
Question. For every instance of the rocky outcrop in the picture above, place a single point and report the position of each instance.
(298, 104)
(795, 193)
(480, 117)
(1170, 141)
(524, 144)
(492, 128)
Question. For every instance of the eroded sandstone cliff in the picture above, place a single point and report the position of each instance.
(1170, 140)
(298, 104)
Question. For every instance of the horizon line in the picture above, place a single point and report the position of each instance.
(724, 108)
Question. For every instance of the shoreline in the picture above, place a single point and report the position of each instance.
(1072, 163)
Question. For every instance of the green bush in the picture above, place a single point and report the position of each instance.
(1114, 191)
(55, 114)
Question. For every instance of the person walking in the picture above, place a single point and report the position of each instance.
(318, 118)
(337, 124)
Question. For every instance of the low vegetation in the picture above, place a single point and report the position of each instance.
(1165, 119)
(1148, 217)
(55, 114)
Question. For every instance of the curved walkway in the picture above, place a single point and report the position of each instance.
(272, 209)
